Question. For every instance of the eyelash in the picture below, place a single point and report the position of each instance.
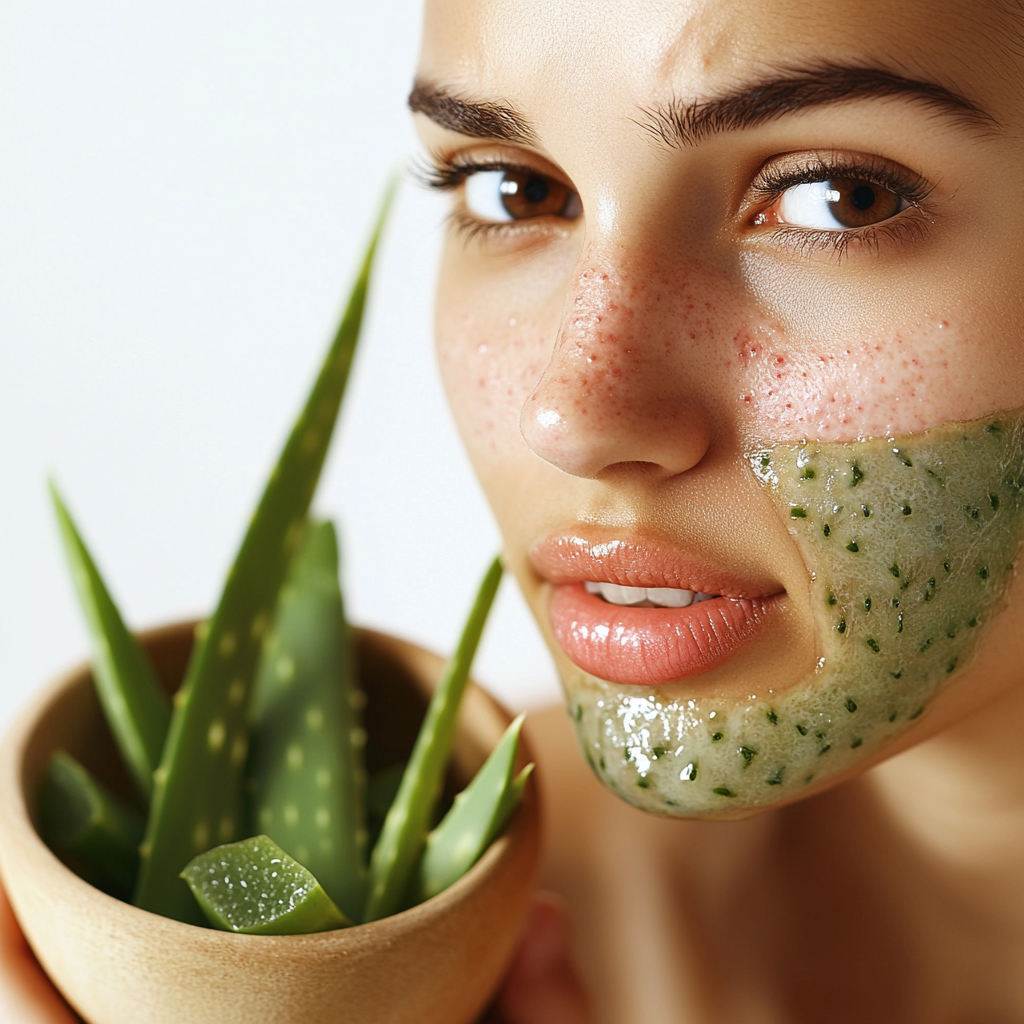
(444, 174)
(773, 180)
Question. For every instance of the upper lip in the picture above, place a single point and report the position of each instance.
(583, 554)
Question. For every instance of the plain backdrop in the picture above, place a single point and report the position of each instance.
(184, 191)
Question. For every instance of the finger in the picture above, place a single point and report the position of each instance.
(543, 985)
(27, 995)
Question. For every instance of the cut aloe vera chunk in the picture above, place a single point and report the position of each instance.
(254, 887)
(197, 794)
(80, 817)
(306, 774)
(136, 707)
(405, 828)
(476, 819)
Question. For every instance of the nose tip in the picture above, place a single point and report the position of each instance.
(617, 392)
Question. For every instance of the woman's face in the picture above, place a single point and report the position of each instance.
(698, 249)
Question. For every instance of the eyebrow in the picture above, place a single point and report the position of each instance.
(791, 90)
(681, 123)
(479, 120)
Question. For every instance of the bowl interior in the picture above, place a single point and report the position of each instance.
(397, 678)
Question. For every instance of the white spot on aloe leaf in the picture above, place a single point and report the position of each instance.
(259, 625)
(239, 748)
(291, 815)
(314, 719)
(323, 778)
(285, 669)
(201, 837)
(323, 817)
(294, 756)
(215, 736)
(236, 691)
(227, 645)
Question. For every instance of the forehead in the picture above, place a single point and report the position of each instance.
(570, 58)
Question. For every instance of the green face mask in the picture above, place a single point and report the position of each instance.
(910, 544)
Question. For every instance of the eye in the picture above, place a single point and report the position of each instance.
(508, 195)
(835, 205)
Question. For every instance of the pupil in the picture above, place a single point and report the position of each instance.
(536, 190)
(863, 197)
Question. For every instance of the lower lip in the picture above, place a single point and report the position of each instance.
(652, 646)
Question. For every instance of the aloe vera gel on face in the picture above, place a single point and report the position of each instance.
(910, 544)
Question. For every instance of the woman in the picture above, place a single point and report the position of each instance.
(711, 267)
(685, 238)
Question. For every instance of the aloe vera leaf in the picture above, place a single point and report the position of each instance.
(405, 828)
(197, 794)
(136, 707)
(306, 778)
(475, 819)
(254, 887)
(79, 816)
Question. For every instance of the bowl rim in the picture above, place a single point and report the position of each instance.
(19, 828)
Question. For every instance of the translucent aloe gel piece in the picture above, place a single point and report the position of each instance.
(910, 544)
(254, 887)
(405, 828)
(136, 707)
(197, 796)
(306, 774)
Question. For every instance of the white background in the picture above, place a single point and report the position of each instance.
(184, 190)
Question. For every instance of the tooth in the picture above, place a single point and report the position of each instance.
(670, 597)
(591, 587)
(614, 594)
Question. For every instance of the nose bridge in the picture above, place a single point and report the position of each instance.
(613, 390)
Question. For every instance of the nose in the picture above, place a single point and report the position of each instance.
(618, 391)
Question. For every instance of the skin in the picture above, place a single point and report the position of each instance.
(608, 371)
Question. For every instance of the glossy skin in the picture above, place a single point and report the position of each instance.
(610, 362)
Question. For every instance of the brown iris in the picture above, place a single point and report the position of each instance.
(856, 203)
(526, 194)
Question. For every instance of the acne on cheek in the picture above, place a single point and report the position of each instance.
(489, 371)
(904, 384)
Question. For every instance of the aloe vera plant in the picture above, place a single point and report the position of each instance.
(197, 793)
(136, 707)
(405, 828)
(306, 775)
(270, 706)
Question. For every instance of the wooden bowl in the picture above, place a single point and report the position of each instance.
(437, 963)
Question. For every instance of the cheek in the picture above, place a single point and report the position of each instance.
(905, 383)
(494, 338)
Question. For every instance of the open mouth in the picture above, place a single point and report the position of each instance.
(647, 597)
(621, 611)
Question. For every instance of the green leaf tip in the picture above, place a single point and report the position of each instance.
(136, 707)
(478, 816)
(197, 797)
(405, 828)
(305, 772)
(80, 817)
(255, 888)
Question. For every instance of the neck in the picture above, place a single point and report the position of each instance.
(958, 801)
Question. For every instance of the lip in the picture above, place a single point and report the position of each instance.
(649, 646)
